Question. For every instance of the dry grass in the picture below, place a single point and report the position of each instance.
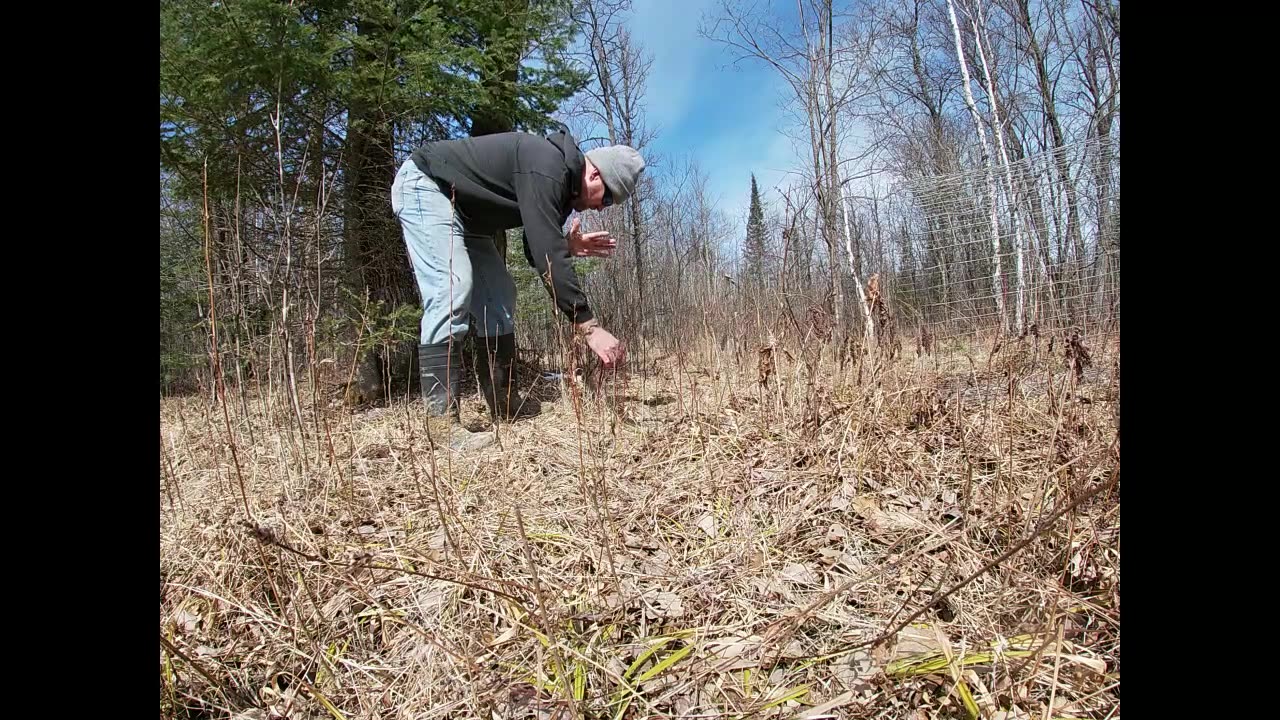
(700, 546)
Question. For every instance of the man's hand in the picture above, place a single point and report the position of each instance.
(607, 347)
(592, 244)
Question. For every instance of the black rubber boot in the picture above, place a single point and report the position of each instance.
(496, 374)
(441, 373)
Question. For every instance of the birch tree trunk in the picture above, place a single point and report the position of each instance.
(997, 277)
(869, 331)
(1010, 195)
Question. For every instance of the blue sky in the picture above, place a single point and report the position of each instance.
(726, 116)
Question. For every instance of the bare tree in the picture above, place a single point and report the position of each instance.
(825, 80)
(620, 70)
(1021, 12)
(997, 277)
(1096, 51)
(988, 71)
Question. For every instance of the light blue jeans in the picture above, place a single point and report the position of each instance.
(460, 274)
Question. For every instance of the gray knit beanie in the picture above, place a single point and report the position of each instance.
(620, 166)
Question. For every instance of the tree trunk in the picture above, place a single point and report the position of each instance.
(834, 194)
(629, 68)
(820, 151)
(375, 257)
(997, 280)
(868, 330)
(1011, 197)
(1045, 86)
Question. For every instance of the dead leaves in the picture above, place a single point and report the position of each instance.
(639, 542)
(662, 604)
(798, 574)
(708, 524)
(883, 525)
(186, 621)
(1078, 356)
(924, 342)
(859, 673)
(834, 559)
(766, 365)
(734, 652)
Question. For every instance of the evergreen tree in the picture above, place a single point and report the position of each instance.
(754, 248)
(277, 98)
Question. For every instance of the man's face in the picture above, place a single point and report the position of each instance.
(594, 195)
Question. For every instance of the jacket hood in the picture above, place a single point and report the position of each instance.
(574, 159)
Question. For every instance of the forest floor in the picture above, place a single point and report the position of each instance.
(921, 537)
